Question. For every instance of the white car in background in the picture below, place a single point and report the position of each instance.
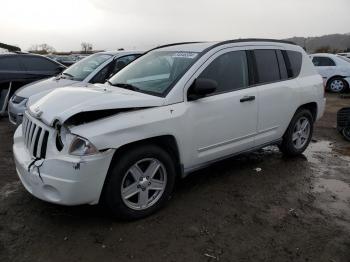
(334, 69)
(344, 54)
(96, 68)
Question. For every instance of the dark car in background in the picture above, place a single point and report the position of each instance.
(18, 69)
(66, 60)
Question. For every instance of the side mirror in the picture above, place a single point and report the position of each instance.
(200, 88)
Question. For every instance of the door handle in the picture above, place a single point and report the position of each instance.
(247, 98)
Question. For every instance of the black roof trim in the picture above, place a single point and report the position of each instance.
(256, 40)
(21, 52)
(167, 45)
(228, 42)
(245, 40)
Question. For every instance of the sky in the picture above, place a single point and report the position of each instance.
(142, 24)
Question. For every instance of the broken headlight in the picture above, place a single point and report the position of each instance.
(18, 99)
(82, 147)
(62, 136)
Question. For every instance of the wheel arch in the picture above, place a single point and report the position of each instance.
(312, 107)
(166, 142)
(336, 76)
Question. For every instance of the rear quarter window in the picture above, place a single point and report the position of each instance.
(293, 60)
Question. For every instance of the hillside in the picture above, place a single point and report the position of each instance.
(335, 42)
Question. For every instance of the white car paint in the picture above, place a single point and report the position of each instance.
(97, 97)
(205, 130)
(339, 68)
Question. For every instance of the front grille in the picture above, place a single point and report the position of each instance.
(343, 117)
(35, 137)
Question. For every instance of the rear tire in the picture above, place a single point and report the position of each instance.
(299, 133)
(346, 133)
(140, 182)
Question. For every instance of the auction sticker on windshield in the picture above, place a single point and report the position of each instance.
(190, 55)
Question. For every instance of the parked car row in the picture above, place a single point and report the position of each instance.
(345, 54)
(335, 70)
(67, 60)
(19, 69)
(96, 68)
(175, 109)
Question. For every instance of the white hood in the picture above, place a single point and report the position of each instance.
(44, 86)
(63, 103)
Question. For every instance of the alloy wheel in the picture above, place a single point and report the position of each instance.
(143, 184)
(301, 132)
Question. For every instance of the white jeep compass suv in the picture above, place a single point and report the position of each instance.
(176, 109)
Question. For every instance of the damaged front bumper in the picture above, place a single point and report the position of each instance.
(65, 180)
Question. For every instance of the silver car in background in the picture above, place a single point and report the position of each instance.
(96, 68)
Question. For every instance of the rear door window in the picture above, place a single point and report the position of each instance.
(229, 70)
(293, 62)
(32, 63)
(267, 66)
(10, 63)
(322, 61)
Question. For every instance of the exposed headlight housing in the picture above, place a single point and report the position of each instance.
(82, 147)
(18, 99)
(63, 137)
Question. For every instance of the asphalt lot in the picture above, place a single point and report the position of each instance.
(292, 210)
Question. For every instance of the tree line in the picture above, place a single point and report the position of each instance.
(44, 49)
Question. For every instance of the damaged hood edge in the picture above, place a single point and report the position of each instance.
(61, 104)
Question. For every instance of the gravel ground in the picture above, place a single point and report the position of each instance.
(292, 210)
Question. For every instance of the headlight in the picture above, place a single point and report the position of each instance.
(18, 99)
(82, 147)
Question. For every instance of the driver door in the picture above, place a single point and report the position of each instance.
(225, 122)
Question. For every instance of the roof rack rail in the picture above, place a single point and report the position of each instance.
(20, 52)
(227, 42)
(233, 41)
(256, 40)
(180, 43)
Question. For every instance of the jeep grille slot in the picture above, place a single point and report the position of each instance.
(35, 137)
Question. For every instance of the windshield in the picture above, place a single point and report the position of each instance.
(80, 70)
(155, 72)
(345, 58)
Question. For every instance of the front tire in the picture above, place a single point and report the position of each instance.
(337, 85)
(299, 133)
(140, 182)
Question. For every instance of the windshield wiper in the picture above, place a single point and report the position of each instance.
(125, 86)
(132, 88)
(67, 74)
